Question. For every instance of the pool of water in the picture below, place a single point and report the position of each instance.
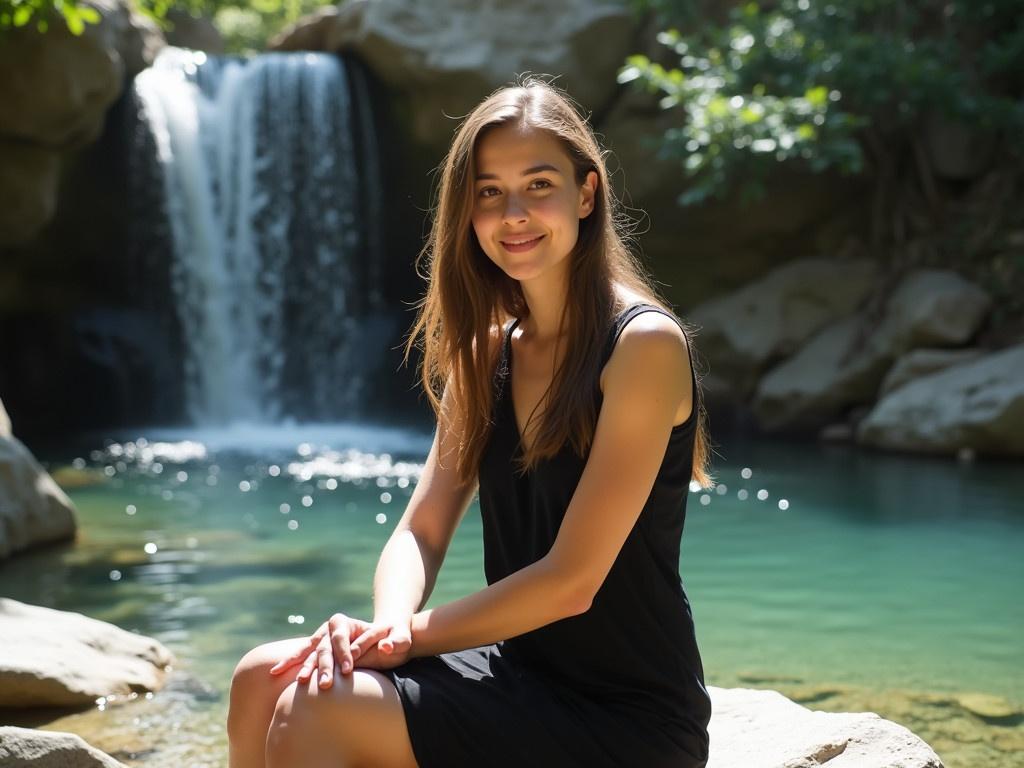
(848, 581)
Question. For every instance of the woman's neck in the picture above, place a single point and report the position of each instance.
(546, 301)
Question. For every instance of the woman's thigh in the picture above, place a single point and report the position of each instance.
(360, 718)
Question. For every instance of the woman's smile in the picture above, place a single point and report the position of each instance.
(521, 244)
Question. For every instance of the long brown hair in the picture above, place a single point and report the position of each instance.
(469, 298)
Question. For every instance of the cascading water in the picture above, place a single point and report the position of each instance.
(271, 196)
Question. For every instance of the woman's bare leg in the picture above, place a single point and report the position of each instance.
(254, 694)
(356, 723)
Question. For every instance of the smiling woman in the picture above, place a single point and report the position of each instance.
(583, 453)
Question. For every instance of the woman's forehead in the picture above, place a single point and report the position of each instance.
(513, 149)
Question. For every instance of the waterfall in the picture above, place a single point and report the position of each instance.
(271, 195)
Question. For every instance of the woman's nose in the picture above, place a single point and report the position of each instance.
(515, 211)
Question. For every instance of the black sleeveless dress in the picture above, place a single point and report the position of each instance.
(619, 685)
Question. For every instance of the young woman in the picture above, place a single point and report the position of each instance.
(565, 393)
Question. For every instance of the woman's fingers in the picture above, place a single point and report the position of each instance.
(325, 663)
(307, 668)
(397, 642)
(339, 627)
(301, 652)
(368, 638)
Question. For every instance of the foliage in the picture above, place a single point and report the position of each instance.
(41, 13)
(827, 84)
(245, 26)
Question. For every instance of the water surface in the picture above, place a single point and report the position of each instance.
(848, 581)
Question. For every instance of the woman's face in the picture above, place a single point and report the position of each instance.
(527, 206)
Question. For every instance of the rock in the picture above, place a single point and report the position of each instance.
(54, 97)
(194, 32)
(987, 706)
(48, 749)
(977, 405)
(816, 384)
(921, 362)
(33, 508)
(5, 422)
(445, 56)
(768, 319)
(58, 658)
(752, 728)
(29, 177)
(932, 307)
(843, 365)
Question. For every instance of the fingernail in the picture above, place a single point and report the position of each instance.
(346, 666)
(324, 677)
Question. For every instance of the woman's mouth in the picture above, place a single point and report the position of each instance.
(521, 244)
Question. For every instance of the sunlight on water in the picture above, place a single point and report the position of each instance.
(846, 581)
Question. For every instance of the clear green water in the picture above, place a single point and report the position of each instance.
(887, 583)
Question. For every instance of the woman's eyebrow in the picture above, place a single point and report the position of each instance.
(527, 172)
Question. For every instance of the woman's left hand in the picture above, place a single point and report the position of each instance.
(383, 645)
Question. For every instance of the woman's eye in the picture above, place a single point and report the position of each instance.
(486, 191)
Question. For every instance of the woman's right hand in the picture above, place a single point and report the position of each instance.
(344, 638)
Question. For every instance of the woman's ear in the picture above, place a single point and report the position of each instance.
(588, 191)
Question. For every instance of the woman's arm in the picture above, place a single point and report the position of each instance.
(647, 381)
(408, 565)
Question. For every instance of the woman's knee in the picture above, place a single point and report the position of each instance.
(254, 691)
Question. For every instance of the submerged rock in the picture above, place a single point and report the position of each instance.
(988, 707)
(762, 728)
(58, 658)
(48, 749)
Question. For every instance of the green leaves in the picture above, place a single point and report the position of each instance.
(246, 26)
(799, 80)
(15, 14)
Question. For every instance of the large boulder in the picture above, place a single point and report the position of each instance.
(763, 728)
(922, 362)
(844, 364)
(49, 749)
(58, 658)
(767, 320)
(54, 97)
(445, 56)
(33, 508)
(978, 405)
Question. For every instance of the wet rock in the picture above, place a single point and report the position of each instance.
(977, 405)
(753, 727)
(58, 658)
(33, 508)
(48, 749)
